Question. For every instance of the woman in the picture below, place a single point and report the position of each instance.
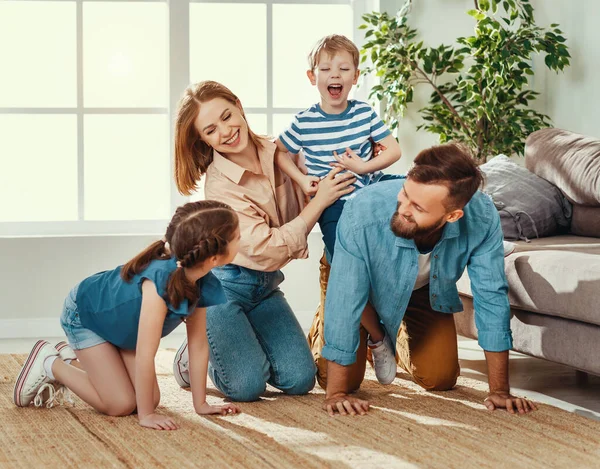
(254, 338)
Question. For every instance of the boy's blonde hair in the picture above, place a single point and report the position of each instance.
(332, 44)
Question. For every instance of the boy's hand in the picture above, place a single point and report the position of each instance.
(227, 409)
(309, 185)
(349, 160)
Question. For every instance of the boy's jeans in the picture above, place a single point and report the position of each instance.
(255, 338)
(330, 217)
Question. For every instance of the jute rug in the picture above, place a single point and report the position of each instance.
(407, 427)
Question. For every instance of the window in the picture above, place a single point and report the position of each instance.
(87, 98)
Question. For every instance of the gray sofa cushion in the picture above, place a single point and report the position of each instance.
(529, 206)
(557, 276)
(568, 160)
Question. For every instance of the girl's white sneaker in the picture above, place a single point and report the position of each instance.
(32, 379)
(180, 366)
(65, 351)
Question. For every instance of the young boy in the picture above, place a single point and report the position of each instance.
(341, 132)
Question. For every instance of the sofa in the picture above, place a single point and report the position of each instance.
(554, 282)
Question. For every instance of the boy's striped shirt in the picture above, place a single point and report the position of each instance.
(319, 134)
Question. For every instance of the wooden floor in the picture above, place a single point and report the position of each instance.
(535, 378)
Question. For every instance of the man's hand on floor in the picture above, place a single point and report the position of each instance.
(345, 405)
(512, 404)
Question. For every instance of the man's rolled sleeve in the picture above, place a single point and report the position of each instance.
(347, 295)
(490, 291)
(495, 341)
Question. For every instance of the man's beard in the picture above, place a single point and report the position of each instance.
(410, 229)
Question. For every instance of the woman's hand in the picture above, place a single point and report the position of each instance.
(331, 188)
(309, 185)
(227, 409)
(378, 148)
(158, 422)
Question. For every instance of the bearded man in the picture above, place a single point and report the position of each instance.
(401, 247)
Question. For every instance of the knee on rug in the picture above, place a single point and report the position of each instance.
(303, 386)
(121, 407)
(247, 390)
(302, 379)
(440, 382)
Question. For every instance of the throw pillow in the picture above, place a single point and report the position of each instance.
(529, 206)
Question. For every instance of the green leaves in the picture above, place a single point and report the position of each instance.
(477, 14)
(484, 104)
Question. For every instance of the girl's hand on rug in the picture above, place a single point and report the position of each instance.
(344, 405)
(512, 404)
(158, 422)
(227, 409)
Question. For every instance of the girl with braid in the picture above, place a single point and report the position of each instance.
(114, 321)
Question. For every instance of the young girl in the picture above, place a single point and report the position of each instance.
(114, 321)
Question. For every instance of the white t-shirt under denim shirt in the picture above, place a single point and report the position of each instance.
(424, 270)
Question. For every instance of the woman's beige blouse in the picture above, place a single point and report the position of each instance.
(267, 204)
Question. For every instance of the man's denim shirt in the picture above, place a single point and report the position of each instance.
(373, 264)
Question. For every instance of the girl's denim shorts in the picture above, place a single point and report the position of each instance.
(78, 336)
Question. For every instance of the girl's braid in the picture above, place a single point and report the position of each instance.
(203, 250)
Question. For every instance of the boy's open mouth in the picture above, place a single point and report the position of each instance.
(335, 91)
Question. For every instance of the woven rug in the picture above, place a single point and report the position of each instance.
(407, 427)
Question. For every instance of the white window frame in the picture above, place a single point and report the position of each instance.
(179, 78)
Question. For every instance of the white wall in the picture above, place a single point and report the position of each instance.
(571, 99)
(36, 273)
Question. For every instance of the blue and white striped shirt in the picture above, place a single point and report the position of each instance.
(319, 134)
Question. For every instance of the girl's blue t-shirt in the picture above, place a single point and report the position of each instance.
(110, 306)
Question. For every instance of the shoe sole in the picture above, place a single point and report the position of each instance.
(176, 373)
(386, 382)
(25, 371)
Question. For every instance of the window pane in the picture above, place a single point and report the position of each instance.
(258, 123)
(199, 194)
(127, 170)
(38, 179)
(234, 55)
(291, 87)
(38, 54)
(281, 122)
(125, 54)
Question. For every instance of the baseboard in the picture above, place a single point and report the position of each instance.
(37, 328)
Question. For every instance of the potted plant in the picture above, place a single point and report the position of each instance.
(480, 92)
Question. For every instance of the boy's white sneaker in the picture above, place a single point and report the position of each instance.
(33, 380)
(180, 366)
(384, 360)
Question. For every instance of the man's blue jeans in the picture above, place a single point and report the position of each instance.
(255, 338)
